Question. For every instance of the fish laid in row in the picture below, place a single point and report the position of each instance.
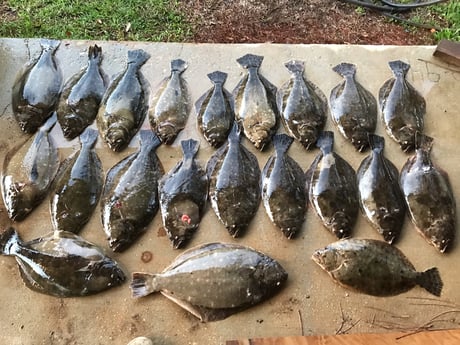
(124, 104)
(36, 89)
(81, 96)
(283, 188)
(62, 264)
(429, 196)
(215, 280)
(170, 105)
(302, 106)
(130, 197)
(375, 268)
(28, 171)
(215, 113)
(183, 193)
(353, 108)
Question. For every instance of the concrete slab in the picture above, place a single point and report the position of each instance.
(311, 303)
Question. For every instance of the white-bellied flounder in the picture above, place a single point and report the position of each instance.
(302, 106)
(255, 103)
(62, 264)
(402, 107)
(215, 280)
(374, 267)
(429, 196)
(36, 89)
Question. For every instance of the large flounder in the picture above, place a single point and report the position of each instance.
(124, 104)
(429, 196)
(28, 171)
(374, 267)
(403, 108)
(353, 108)
(62, 264)
(36, 89)
(255, 103)
(81, 96)
(302, 106)
(215, 280)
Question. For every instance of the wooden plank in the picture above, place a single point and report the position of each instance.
(444, 337)
(448, 51)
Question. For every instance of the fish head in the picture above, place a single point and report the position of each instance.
(20, 199)
(123, 232)
(108, 274)
(341, 225)
(118, 136)
(360, 140)
(72, 126)
(442, 232)
(327, 258)
(270, 275)
(182, 221)
(167, 132)
(308, 135)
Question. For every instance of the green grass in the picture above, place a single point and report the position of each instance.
(148, 20)
(450, 13)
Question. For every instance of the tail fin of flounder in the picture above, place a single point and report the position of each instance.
(178, 65)
(325, 141)
(89, 137)
(282, 142)
(345, 69)
(376, 142)
(234, 135)
(190, 148)
(49, 45)
(7, 239)
(95, 53)
(49, 123)
(148, 139)
(399, 67)
(431, 281)
(295, 66)
(217, 77)
(250, 60)
(142, 284)
(137, 57)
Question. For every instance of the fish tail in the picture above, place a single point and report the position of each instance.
(345, 69)
(49, 124)
(89, 137)
(234, 135)
(147, 138)
(423, 142)
(325, 141)
(431, 281)
(190, 147)
(142, 284)
(178, 65)
(250, 60)
(95, 53)
(217, 77)
(282, 142)
(7, 239)
(49, 45)
(138, 57)
(399, 67)
(376, 142)
(295, 66)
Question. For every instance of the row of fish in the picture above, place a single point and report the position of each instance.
(255, 103)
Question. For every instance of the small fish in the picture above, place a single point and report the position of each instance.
(215, 280)
(37, 87)
(283, 188)
(130, 197)
(353, 108)
(215, 114)
(124, 104)
(77, 187)
(234, 189)
(332, 188)
(375, 268)
(81, 96)
(429, 196)
(183, 193)
(62, 264)
(28, 171)
(255, 103)
(402, 107)
(170, 105)
(302, 106)
(380, 195)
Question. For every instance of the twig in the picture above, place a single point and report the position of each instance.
(300, 322)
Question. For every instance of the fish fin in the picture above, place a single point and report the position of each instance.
(49, 123)
(345, 69)
(295, 66)
(148, 138)
(89, 137)
(423, 142)
(250, 60)
(431, 281)
(217, 77)
(178, 65)
(376, 142)
(399, 67)
(138, 57)
(7, 239)
(325, 141)
(190, 147)
(95, 53)
(142, 284)
(234, 135)
(282, 142)
(50, 45)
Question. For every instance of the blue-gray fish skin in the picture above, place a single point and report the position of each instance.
(183, 193)
(353, 108)
(403, 108)
(215, 113)
(62, 264)
(375, 268)
(81, 96)
(302, 106)
(77, 187)
(255, 103)
(234, 184)
(283, 188)
(168, 114)
(124, 104)
(380, 195)
(215, 280)
(332, 188)
(28, 171)
(36, 89)
(429, 196)
(129, 200)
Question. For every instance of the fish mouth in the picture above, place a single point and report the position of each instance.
(71, 126)
(317, 257)
(167, 133)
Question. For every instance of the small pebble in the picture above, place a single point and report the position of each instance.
(140, 341)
